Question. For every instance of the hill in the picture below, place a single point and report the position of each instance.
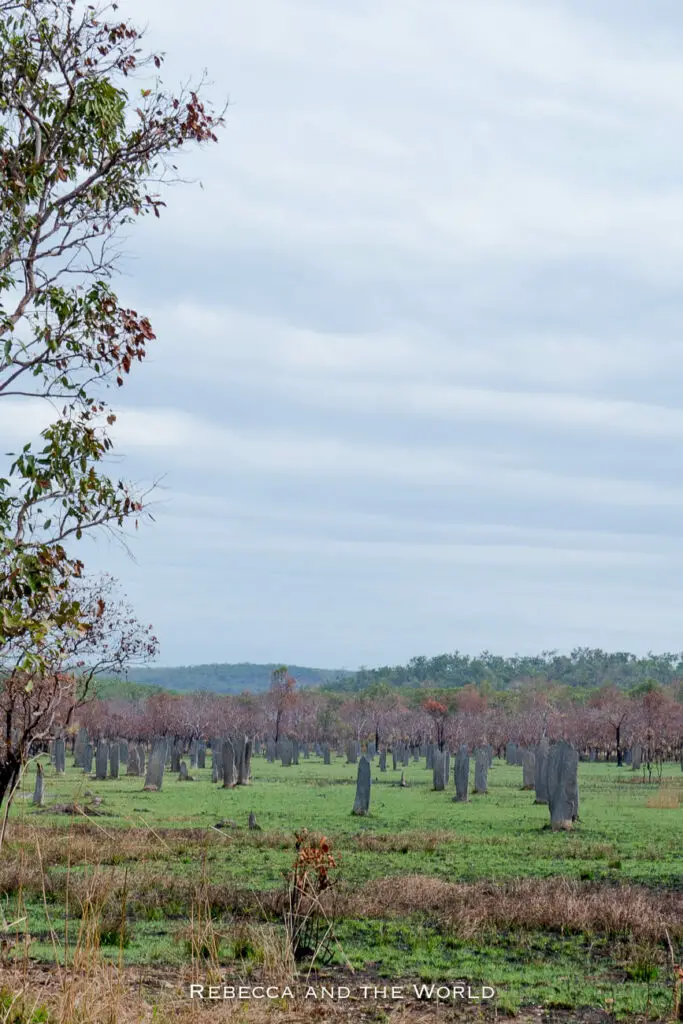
(223, 678)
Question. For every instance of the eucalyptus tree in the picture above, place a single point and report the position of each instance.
(88, 134)
(82, 153)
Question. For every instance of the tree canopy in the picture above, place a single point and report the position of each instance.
(87, 135)
(583, 667)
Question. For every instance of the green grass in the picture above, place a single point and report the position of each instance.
(534, 968)
(554, 971)
(496, 837)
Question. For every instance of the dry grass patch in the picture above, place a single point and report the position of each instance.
(525, 903)
(145, 891)
(665, 799)
(85, 843)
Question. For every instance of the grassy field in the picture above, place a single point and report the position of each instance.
(428, 890)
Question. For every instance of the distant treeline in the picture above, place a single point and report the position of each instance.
(123, 689)
(584, 668)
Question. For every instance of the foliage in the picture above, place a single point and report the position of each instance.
(306, 920)
(38, 706)
(438, 713)
(81, 156)
(607, 724)
(108, 638)
(280, 700)
(107, 688)
(579, 673)
(584, 668)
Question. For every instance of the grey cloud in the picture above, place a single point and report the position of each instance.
(417, 383)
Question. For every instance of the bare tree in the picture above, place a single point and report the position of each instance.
(280, 699)
(34, 706)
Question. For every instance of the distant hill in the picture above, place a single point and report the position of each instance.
(124, 689)
(224, 678)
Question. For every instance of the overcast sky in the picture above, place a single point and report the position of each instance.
(417, 383)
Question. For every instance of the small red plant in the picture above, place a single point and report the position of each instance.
(313, 862)
(306, 920)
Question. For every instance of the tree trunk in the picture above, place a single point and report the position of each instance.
(10, 767)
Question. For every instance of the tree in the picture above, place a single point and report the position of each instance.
(327, 719)
(613, 708)
(280, 699)
(438, 713)
(470, 700)
(356, 714)
(380, 703)
(32, 707)
(82, 154)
